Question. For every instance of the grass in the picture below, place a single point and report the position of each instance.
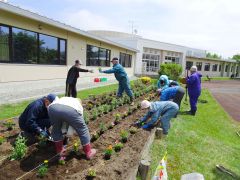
(198, 143)
(216, 78)
(12, 110)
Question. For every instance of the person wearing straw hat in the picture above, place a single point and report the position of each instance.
(72, 76)
(194, 89)
(163, 110)
(121, 76)
(69, 110)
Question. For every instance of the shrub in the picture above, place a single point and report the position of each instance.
(146, 80)
(173, 71)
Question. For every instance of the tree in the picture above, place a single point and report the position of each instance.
(173, 71)
(236, 57)
(213, 55)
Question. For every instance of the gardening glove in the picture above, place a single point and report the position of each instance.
(44, 134)
(147, 126)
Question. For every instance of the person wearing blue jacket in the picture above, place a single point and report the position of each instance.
(174, 93)
(165, 110)
(34, 120)
(121, 77)
(163, 82)
(194, 89)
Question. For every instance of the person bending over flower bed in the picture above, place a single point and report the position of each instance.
(69, 110)
(165, 110)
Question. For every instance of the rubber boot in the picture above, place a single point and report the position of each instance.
(60, 148)
(89, 151)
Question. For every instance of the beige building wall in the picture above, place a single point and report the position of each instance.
(76, 49)
(218, 73)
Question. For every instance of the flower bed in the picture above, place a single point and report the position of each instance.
(76, 166)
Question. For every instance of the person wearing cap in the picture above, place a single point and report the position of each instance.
(72, 76)
(163, 110)
(121, 77)
(194, 89)
(68, 110)
(35, 120)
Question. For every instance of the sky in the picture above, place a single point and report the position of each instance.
(211, 25)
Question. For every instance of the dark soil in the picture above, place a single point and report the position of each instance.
(76, 167)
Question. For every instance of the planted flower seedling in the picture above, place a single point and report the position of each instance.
(9, 124)
(124, 136)
(117, 118)
(133, 130)
(2, 139)
(118, 146)
(91, 174)
(108, 152)
(20, 148)
(43, 169)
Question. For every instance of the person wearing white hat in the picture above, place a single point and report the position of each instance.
(72, 76)
(194, 89)
(165, 110)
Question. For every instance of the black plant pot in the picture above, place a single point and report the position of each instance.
(124, 140)
(107, 156)
(90, 177)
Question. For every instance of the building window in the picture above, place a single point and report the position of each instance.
(199, 66)
(23, 46)
(189, 64)
(207, 67)
(4, 43)
(220, 67)
(172, 59)
(214, 67)
(226, 68)
(97, 56)
(125, 60)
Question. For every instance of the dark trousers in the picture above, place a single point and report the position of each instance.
(179, 96)
(71, 90)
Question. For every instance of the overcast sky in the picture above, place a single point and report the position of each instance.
(212, 25)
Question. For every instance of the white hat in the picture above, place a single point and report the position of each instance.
(193, 68)
(145, 104)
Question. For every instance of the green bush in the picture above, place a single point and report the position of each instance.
(173, 71)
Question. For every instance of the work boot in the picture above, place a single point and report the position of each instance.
(131, 101)
(60, 148)
(89, 151)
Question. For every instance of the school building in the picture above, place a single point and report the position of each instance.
(34, 48)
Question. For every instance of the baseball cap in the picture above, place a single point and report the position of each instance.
(51, 97)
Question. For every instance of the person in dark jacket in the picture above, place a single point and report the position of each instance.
(194, 89)
(122, 78)
(174, 93)
(34, 120)
(72, 76)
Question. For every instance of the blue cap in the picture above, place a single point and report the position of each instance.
(51, 97)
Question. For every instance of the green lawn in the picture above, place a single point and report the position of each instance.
(204, 78)
(198, 143)
(11, 110)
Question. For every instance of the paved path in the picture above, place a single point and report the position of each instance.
(20, 91)
(227, 93)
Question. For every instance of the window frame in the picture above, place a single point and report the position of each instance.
(127, 62)
(11, 60)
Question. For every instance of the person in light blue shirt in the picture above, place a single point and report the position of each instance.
(163, 110)
(122, 78)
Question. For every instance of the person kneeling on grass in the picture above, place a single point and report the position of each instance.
(165, 110)
(69, 110)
